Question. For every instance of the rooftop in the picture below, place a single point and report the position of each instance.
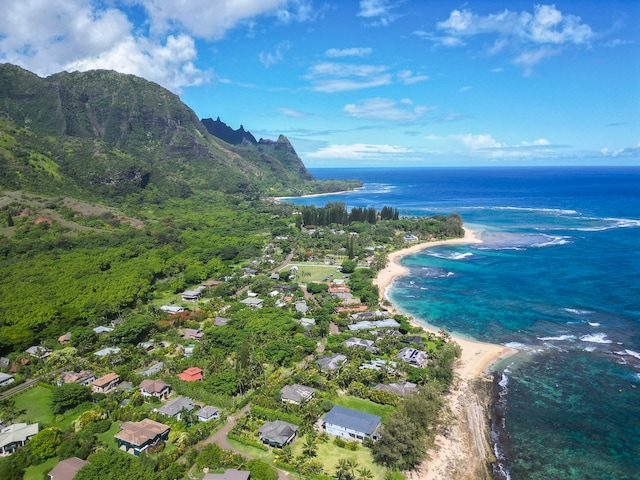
(353, 419)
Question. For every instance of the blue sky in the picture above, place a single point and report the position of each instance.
(370, 82)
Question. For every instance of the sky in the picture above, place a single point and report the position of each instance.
(370, 83)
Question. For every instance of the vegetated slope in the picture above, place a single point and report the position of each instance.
(115, 134)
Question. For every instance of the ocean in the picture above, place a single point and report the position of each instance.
(557, 276)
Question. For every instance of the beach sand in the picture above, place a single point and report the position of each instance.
(463, 449)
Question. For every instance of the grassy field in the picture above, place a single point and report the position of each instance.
(329, 454)
(36, 472)
(316, 272)
(363, 405)
(107, 437)
(34, 406)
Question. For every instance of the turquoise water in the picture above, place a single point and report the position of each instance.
(558, 277)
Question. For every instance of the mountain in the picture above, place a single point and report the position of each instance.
(219, 129)
(107, 134)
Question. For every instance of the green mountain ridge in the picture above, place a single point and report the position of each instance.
(102, 134)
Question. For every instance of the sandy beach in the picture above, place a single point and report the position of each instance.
(463, 449)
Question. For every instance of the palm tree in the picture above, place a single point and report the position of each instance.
(309, 447)
(365, 474)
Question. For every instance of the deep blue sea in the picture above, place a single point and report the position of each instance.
(557, 276)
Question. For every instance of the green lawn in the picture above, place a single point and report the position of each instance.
(363, 405)
(107, 437)
(36, 472)
(34, 406)
(329, 454)
(316, 272)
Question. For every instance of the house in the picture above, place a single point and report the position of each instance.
(107, 351)
(102, 329)
(253, 302)
(368, 324)
(105, 384)
(296, 394)
(376, 314)
(378, 364)
(154, 388)
(38, 351)
(191, 374)
(409, 237)
(193, 334)
(84, 377)
(301, 306)
(174, 407)
(64, 339)
(307, 323)
(361, 342)
(6, 379)
(220, 321)
(188, 351)
(67, 469)
(14, 436)
(153, 369)
(208, 413)
(146, 346)
(229, 474)
(136, 437)
(4, 362)
(413, 356)
(348, 423)
(171, 309)
(277, 433)
(331, 362)
(402, 388)
(192, 295)
(418, 340)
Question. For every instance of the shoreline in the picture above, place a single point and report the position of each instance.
(311, 195)
(464, 450)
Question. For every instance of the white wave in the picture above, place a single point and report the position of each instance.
(633, 354)
(595, 338)
(560, 338)
(594, 324)
(577, 311)
(590, 349)
(559, 211)
(517, 346)
(450, 256)
(552, 241)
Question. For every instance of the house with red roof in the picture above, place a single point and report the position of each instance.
(191, 374)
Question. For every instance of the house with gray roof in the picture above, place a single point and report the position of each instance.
(153, 369)
(107, 351)
(352, 424)
(331, 362)
(5, 379)
(253, 302)
(413, 356)
(371, 324)
(277, 433)
(403, 388)
(355, 342)
(208, 413)
(296, 393)
(15, 436)
(174, 407)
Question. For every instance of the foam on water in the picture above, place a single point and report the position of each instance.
(595, 338)
(561, 338)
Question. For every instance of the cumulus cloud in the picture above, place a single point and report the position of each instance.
(386, 109)
(358, 151)
(331, 77)
(48, 36)
(348, 52)
(478, 142)
(528, 37)
(290, 112)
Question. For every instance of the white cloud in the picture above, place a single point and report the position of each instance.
(528, 37)
(380, 11)
(348, 52)
(407, 77)
(290, 112)
(385, 109)
(541, 142)
(330, 77)
(212, 19)
(466, 88)
(358, 151)
(271, 58)
(478, 142)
